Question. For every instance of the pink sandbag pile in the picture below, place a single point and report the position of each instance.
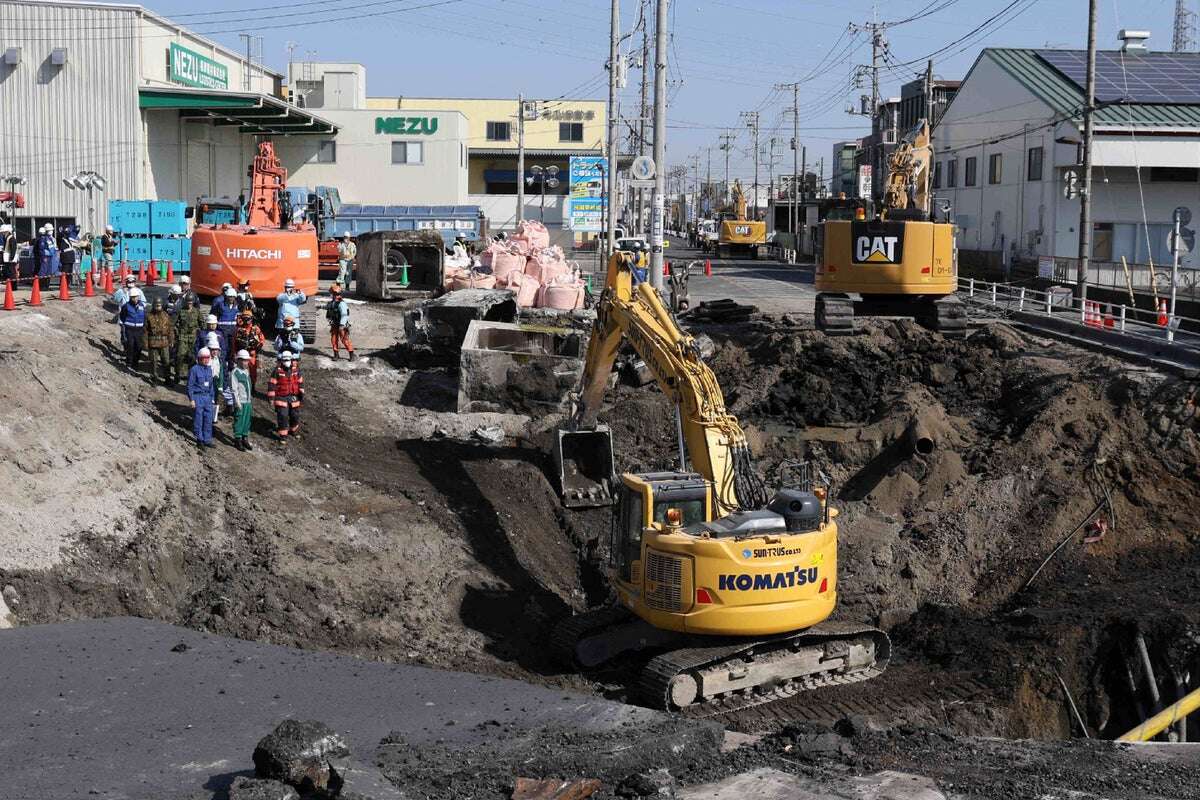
(527, 266)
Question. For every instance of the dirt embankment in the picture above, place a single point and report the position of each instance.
(394, 530)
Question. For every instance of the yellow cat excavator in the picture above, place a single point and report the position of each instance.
(729, 588)
(902, 263)
(739, 235)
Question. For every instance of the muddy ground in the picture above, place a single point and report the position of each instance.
(393, 530)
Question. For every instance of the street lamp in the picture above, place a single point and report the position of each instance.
(87, 180)
(547, 178)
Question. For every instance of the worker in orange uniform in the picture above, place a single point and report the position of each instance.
(338, 314)
(285, 390)
(249, 337)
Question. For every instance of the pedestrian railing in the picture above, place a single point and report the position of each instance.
(1061, 304)
(1125, 276)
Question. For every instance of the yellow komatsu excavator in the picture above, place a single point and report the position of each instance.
(729, 588)
(901, 263)
(739, 235)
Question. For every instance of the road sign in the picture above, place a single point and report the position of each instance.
(633, 183)
(1070, 184)
(642, 168)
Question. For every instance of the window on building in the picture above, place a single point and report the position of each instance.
(952, 173)
(327, 152)
(1033, 171)
(969, 172)
(570, 131)
(1174, 174)
(499, 131)
(407, 153)
(937, 175)
(995, 165)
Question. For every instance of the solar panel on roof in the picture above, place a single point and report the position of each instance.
(1134, 78)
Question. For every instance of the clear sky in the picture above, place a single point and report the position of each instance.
(725, 56)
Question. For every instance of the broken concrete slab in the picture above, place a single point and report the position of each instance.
(771, 784)
(518, 367)
(436, 328)
(298, 752)
(143, 721)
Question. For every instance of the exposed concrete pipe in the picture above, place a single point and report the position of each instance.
(919, 438)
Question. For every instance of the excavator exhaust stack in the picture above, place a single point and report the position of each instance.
(584, 460)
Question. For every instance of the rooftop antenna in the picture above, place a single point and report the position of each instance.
(1184, 38)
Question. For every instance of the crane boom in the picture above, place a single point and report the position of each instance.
(716, 443)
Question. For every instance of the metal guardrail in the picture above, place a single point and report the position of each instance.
(1146, 278)
(1063, 305)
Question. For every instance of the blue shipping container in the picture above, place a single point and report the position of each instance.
(167, 218)
(134, 249)
(129, 217)
(177, 251)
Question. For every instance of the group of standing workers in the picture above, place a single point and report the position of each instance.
(217, 349)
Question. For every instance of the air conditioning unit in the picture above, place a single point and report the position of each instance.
(12, 56)
(58, 56)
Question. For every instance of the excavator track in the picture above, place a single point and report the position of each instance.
(949, 316)
(569, 632)
(834, 314)
(751, 673)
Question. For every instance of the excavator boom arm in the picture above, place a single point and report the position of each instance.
(715, 441)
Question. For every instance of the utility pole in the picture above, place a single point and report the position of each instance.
(726, 145)
(929, 121)
(751, 118)
(708, 178)
(643, 114)
(660, 143)
(610, 215)
(879, 47)
(1085, 200)
(520, 158)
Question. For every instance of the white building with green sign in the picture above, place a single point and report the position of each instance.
(158, 111)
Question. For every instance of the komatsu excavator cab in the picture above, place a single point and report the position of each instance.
(645, 500)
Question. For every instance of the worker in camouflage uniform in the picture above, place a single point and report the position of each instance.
(160, 338)
(248, 336)
(187, 324)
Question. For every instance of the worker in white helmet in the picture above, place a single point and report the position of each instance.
(241, 392)
(10, 263)
(347, 252)
(133, 323)
(210, 326)
(108, 246)
(289, 302)
(200, 393)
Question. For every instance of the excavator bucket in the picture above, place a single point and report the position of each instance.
(584, 460)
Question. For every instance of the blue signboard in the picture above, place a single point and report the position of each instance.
(587, 202)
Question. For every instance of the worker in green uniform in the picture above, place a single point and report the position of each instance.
(240, 392)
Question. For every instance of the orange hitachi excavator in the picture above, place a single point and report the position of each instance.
(267, 250)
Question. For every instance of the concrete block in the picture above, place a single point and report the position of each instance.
(519, 368)
(439, 326)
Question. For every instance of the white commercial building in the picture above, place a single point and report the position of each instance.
(157, 111)
(1007, 155)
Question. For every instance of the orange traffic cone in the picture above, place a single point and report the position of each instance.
(64, 293)
(666, 269)
(142, 272)
(152, 273)
(10, 304)
(1163, 318)
(708, 268)
(35, 297)
(170, 271)
(88, 289)
(1108, 317)
(108, 287)
(124, 271)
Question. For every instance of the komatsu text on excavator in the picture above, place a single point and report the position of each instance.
(729, 587)
(902, 263)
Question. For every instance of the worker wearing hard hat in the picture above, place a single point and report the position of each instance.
(338, 314)
(289, 302)
(160, 338)
(188, 321)
(347, 252)
(217, 350)
(210, 326)
(249, 337)
(10, 263)
(200, 393)
(245, 300)
(185, 288)
(241, 393)
(289, 339)
(225, 308)
(133, 324)
(108, 246)
(285, 390)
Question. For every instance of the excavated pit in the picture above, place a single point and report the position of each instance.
(400, 530)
